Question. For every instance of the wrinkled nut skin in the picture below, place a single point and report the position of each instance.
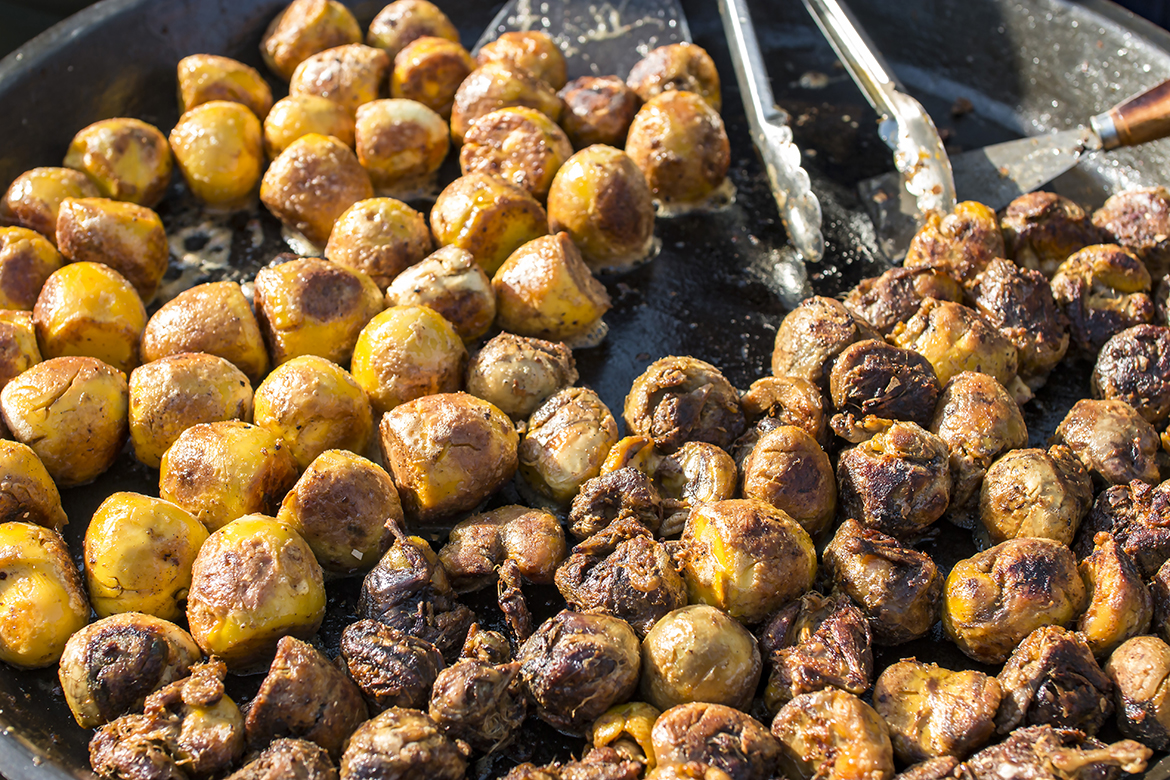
(27, 259)
(128, 159)
(995, 599)
(565, 443)
(1041, 229)
(207, 77)
(681, 399)
(1134, 366)
(126, 237)
(489, 217)
(961, 244)
(288, 759)
(392, 669)
(214, 318)
(1160, 591)
(834, 735)
(1120, 605)
(381, 237)
(35, 196)
(682, 67)
(293, 117)
(404, 744)
(312, 184)
(253, 582)
(518, 144)
(627, 728)
(72, 412)
(219, 149)
(1103, 289)
(532, 51)
(678, 141)
(1139, 669)
(402, 21)
(349, 75)
(696, 473)
(934, 712)
(1035, 749)
(447, 453)
(812, 335)
(600, 197)
(892, 298)
(109, 667)
(955, 338)
(746, 557)
(42, 599)
(532, 538)
(480, 703)
(621, 492)
(1135, 515)
(875, 379)
(497, 85)
(429, 70)
(576, 666)
(138, 555)
(342, 505)
(453, 284)
(698, 653)
(1034, 492)
(730, 741)
(310, 306)
(304, 28)
(400, 143)
(223, 470)
(1112, 440)
(598, 110)
(787, 401)
(1139, 220)
(790, 471)
(27, 492)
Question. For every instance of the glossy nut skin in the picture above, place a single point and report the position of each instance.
(35, 196)
(1034, 492)
(489, 217)
(380, 237)
(678, 141)
(476, 547)
(812, 335)
(453, 284)
(28, 494)
(349, 75)
(109, 667)
(253, 582)
(1112, 440)
(429, 70)
(676, 67)
(27, 259)
(207, 77)
(1134, 366)
(494, 86)
(223, 470)
(447, 453)
(126, 158)
(18, 344)
(310, 306)
(1102, 289)
(532, 51)
(517, 373)
(402, 21)
(954, 339)
(314, 405)
(1041, 230)
(960, 244)
(42, 599)
(565, 443)
(518, 144)
(732, 743)
(92, 310)
(1137, 219)
(834, 735)
(1120, 605)
(1139, 669)
(680, 399)
(995, 599)
(407, 352)
(789, 470)
(72, 411)
(401, 144)
(219, 149)
(214, 318)
(405, 744)
(138, 556)
(598, 110)
(126, 237)
(627, 728)
(886, 300)
(312, 183)
(304, 28)
(294, 116)
(746, 557)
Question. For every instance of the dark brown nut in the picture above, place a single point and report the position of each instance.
(404, 744)
(447, 453)
(429, 70)
(577, 666)
(532, 51)
(349, 75)
(1112, 440)
(790, 471)
(342, 506)
(678, 141)
(979, 421)
(1103, 289)
(934, 712)
(898, 589)
(954, 339)
(622, 571)
(219, 149)
(128, 159)
(403, 21)
(1120, 605)
(487, 216)
(392, 669)
(1139, 220)
(288, 759)
(886, 300)
(1160, 591)
(496, 85)
(401, 144)
(485, 645)
(293, 117)
(312, 184)
(788, 401)
(718, 736)
(35, 196)
(453, 284)
(207, 77)
(812, 336)
(1137, 515)
(518, 374)
(898, 482)
(532, 538)
(306, 696)
(27, 259)
(304, 28)
(1138, 670)
(126, 237)
(624, 492)
(833, 735)
(677, 67)
(28, 494)
(565, 443)
(214, 318)
(681, 399)
(1047, 753)
(518, 144)
(598, 110)
(1041, 230)
(995, 599)
(1134, 366)
(1034, 492)
(960, 244)
(873, 379)
(480, 703)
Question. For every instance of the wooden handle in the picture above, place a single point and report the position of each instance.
(1144, 117)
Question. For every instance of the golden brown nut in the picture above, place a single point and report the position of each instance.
(72, 411)
(35, 196)
(381, 237)
(494, 86)
(1054, 754)
(1120, 605)
(995, 599)
(833, 735)
(42, 601)
(681, 399)
(295, 116)
(487, 216)
(343, 505)
(790, 471)
(886, 300)
(453, 284)
(1103, 289)
(1139, 669)
(223, 470)
(1112, 440)
(304, 28)
(1041, 229)
(127, 159)
(138, 556)
(1138, 220)
(126, 237)
(518, 144)
(1033, 492)
(402, 21)
(401, 144)
(18, 344)
(872, 380)
(960, 244)
(27, 259)
(532, 51)
(933, 711)
(253, 582)
(811, 337)
(218, 147)
(214, 318)
(565, 443)
(207, 77)
(517, 373)
(787, 401)
(402, 743)
(310, 306)
(676, 67)
(349, 75)
(954, 339)
(476, 547)
(678, 141)
(626, 728)
(598, 110)
(407, 352)
(28, 494)
(447, 453)
(429, 70)
(312, 183)
(713, 742)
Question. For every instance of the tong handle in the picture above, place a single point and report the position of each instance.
(1141, 118)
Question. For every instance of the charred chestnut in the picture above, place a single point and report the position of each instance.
(718, 736)
(1139, 220)
(480, 703)
(1120, 605)
(393, 669)
(961, 244)
(1134, 366)
(892, 298)
(598, 110)
(873, 379)
(834, 735)
(1139, 670)
(1112, 440)
(677, 67)
(1034, 492)
(1103, 289)
(1042, 229)
(789, 470)
(518, 374)
(405, 744)
(681, 399)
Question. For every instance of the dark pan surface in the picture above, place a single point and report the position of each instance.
(713, 292)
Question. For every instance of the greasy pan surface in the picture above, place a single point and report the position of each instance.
(1026, 66)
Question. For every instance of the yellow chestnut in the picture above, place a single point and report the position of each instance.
(27, 493)
(18, 344)
(127, 237)
(26, 260)
(403, 21)
(401, 144)
(430, 69)
(518, 144)
(532, 51)
(304, 28)
(678, 141)
(126, 158)
(219, 150)
(489, 217)
(207, 77)
(298, 115)
(494, 86)
(453, 284)
(35, 196)
(381, 237)
(349, 75)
